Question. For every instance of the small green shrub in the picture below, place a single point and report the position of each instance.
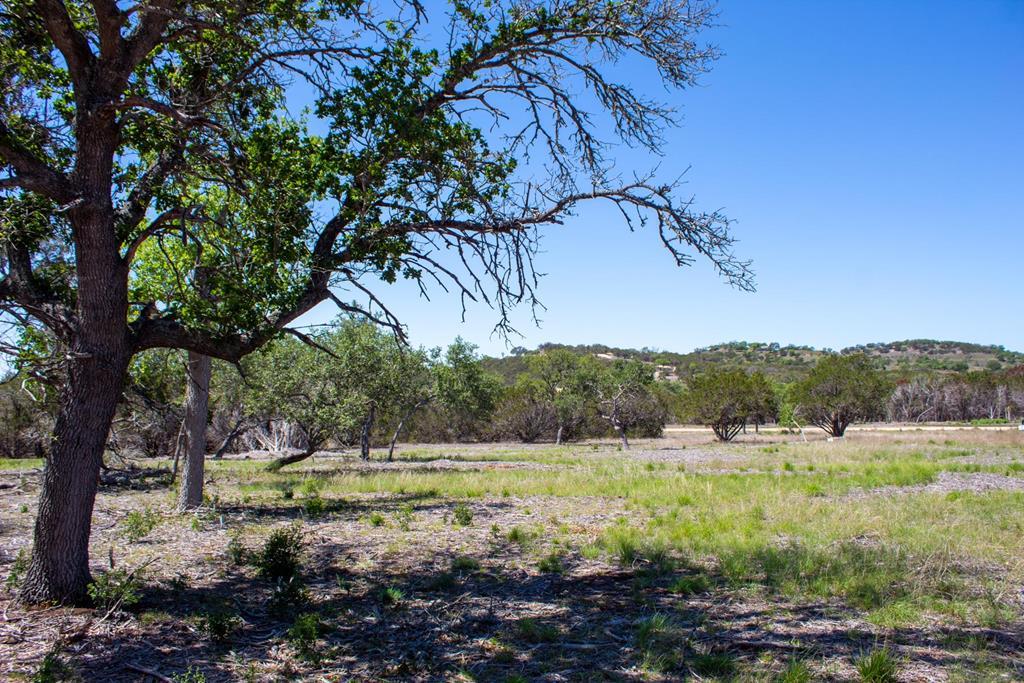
(286, 595)
(303, 635)
(116, 588)
(464, 563)
(237, 553)
(520, 536)
(376, 519)
(314, 506)
(137, 524)
(52, 670)
(280, 558)
(462, 515)
(877, 666)
(551, 564)
(219, 625)
(18, 569)
(404, 517)
(193, 674)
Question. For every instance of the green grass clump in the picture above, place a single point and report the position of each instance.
(795, 671)
(877, 666)
(534, 631)
(659, 642)
(551, 563)
(391, 596)
(464, 563)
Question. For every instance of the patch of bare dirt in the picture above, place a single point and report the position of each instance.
(949, 482)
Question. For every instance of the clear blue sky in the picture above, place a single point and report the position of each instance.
(872, 156)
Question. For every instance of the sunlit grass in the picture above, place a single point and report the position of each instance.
(795, 519)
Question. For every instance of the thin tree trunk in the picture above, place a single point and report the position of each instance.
(622, 437)
(229, 439)
(197, 397)
(364, 438)
(401, 426)
(558, 435)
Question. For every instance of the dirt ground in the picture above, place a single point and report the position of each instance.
(405, 593)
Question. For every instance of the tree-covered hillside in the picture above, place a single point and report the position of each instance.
(789, 362)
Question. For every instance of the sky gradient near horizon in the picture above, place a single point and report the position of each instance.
(871, 155)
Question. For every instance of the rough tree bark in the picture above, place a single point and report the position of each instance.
(197, 396)
(98, 356)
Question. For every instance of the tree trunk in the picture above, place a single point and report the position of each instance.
(622, 437)
(197, 397)
(364, 438)
(229, 439)
(59, 569)
(290, 459)
(558, 435)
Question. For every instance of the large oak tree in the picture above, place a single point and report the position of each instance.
(437, 142)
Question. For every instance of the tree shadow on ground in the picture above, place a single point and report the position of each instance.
(592, 622)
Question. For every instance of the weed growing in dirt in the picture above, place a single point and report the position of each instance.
(18, 569)
(115, 589)
(391, 596)
(376, 519)
(534, 631)
(219, 625)
(462, 515)
(551, 564)
(139, 523)
(280, 558)
(193, 674)
(303, 635)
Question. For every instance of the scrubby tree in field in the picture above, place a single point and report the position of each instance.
(570, 382)
(839, 390)
(625, 398)
(726, 400)
(525, 412)
(454, 383)
(171, 123)
(330, 384)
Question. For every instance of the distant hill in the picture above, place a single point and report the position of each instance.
(786, 363)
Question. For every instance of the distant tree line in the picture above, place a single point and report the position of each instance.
(352, 384)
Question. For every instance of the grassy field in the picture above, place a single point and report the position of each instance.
(886, 556)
